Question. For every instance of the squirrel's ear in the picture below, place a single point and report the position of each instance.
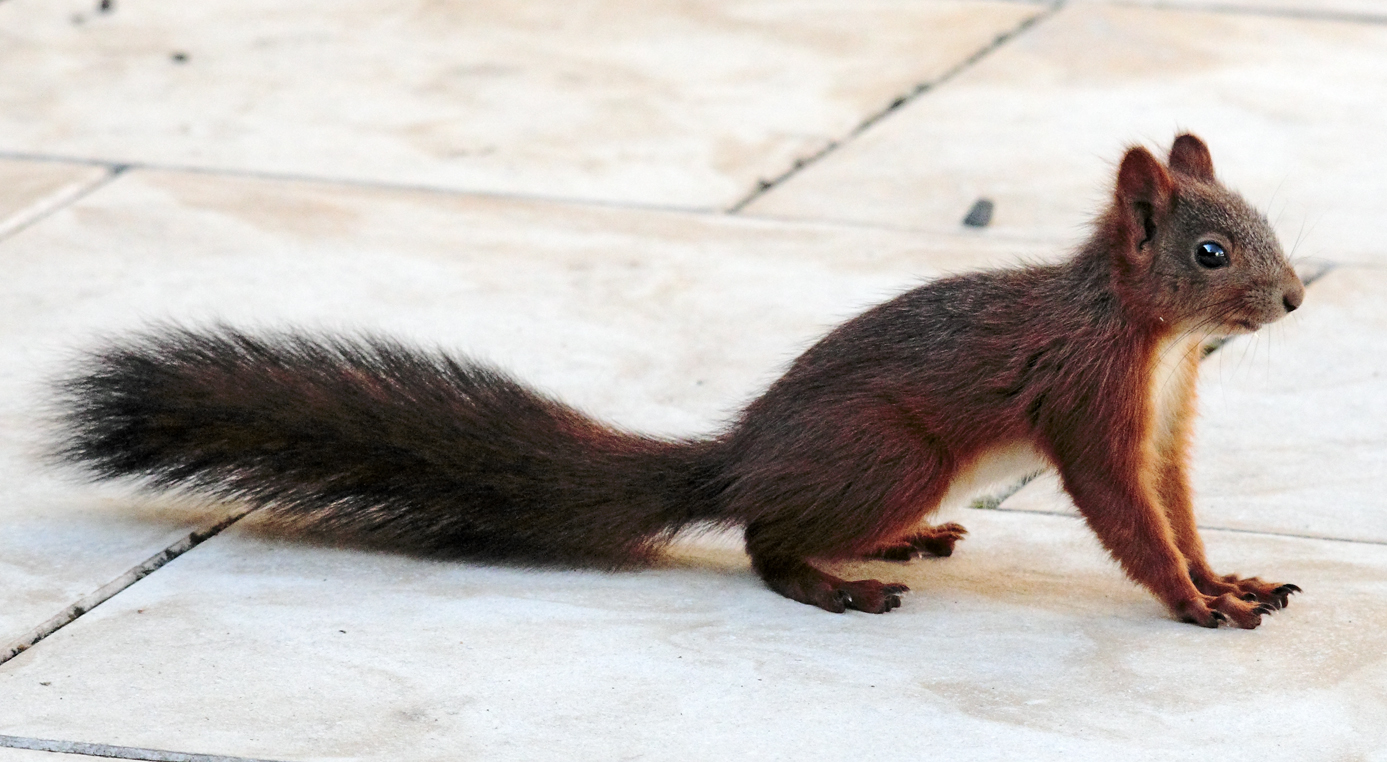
(1144, 192)
(1189, 156)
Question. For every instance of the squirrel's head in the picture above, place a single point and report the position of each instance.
(1192, 253)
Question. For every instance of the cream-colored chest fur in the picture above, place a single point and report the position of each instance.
(1172, 381)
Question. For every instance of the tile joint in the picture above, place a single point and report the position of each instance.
(113, 752)
(59, 200)
(111, 589)
(117, 167)
(764, 185)
(1305, 14)
(1205, 527)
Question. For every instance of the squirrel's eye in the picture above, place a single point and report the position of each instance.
(1210, 254)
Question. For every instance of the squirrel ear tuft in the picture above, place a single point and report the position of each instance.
(1144, 191)
(1189, 156)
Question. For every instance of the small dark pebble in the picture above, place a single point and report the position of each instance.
(980, 214)
(106, 6)
(179, 57)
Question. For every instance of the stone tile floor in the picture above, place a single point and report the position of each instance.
(648, 209)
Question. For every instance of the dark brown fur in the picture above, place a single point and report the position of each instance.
(1090, 363)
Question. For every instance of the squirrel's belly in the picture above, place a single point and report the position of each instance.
(995, 468)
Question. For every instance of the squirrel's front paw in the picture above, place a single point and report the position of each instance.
(1228, 608)
(1251, 589)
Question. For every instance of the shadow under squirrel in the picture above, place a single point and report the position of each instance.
(1087, 366)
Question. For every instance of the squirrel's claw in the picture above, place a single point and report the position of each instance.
(870, 596)
(1228, 608)
(1248, 590)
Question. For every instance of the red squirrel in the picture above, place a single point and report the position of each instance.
(1087, 366)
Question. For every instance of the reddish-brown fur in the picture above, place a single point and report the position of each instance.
(1063, 358)
(1088, 365)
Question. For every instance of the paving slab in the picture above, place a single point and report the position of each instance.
(648, 102)
(1289, 107)
(29, 189)
(661, 321)
(1028, 643)
(1290, 436)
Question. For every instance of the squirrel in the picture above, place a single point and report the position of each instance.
(1086, 366)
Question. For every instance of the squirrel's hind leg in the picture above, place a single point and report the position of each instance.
(933, 540)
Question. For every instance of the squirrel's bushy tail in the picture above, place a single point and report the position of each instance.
(366, 437)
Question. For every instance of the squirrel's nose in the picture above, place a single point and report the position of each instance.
(1293, 296)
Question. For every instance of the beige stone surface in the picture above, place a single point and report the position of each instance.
(1290, 107)
(1351, 10)
(657, 102)
(661, 321)
(1026, 644)
(1290, 437)
(29, 189)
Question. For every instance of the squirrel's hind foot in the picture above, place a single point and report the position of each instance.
(934, 541)
(797, 580)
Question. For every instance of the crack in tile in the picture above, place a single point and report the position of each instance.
(111, 589)
(114, 752)
(764, 186)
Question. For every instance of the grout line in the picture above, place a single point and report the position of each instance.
(116, 752)
(1350, 17)
(1293, 535)
(1204, 527)
(110, 589)
(66, 196)
(349, 182)
(763, 186)
(1058, 244)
